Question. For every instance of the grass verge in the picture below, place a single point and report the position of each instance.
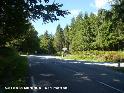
(97, 56)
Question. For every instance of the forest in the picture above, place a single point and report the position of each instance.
(102, 31)
(89, 36)
(94, 34)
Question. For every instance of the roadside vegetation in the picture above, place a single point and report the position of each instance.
(13, 69)
(97, 56)
(95, 37)
(18, 36)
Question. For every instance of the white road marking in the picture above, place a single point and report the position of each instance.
(78, 74)
(29, 65)
(33, 84)
(110, 86)
(47, 75)
(106, 64)
(100, 82)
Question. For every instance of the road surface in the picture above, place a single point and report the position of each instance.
(51, 75)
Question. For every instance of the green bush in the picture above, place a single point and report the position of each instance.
(58, 54)
(13, 68)
(109, 57)
(7, 52)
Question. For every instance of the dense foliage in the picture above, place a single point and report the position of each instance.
(13, 70)
(46, 44)
(101, 31)
(97, 56)
(59, 38)
(16, 14)
(16, 32)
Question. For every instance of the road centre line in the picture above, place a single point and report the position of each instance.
(121, 91)
(33, 84)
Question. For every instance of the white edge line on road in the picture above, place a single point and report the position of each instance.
(110, 86)
(33, 84)
(30, 65)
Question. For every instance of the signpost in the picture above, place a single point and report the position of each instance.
(64, 51)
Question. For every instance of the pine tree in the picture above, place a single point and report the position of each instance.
(59, 40)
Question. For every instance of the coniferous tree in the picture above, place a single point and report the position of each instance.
(46, 43)
(66, 35)
(59, 40)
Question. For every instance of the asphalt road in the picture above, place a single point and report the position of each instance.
(51, 75)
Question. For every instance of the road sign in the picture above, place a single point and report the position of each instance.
(64, 49)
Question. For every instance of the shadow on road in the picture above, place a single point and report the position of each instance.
(55, 75)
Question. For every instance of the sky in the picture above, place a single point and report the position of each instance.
(74, 7)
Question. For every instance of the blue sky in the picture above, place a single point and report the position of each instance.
(74, 6)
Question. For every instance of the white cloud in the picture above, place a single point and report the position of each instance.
(100, 3)
(95, 13)
(75, 12)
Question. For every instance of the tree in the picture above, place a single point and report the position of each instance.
(66, 36)
(104, 31)
(76, 29)
(15, 16)
(30, 41)
(117, 10)
(46, 43)
(84, 33)
(33, 9)
(59, 41)
(71, 32)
